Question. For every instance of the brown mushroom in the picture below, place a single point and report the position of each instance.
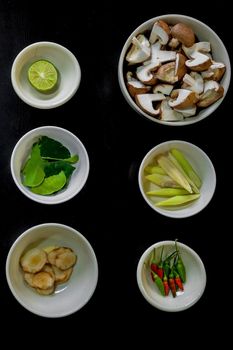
(183, 33)
(182, 99)
(135, 86)
(145, 102)
(160, 31)
(166, 73)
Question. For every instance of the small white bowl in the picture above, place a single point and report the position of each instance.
(193, 287)
(203, 33)
(201, 164)
(66, 64)
(69, 297)
(79, 177)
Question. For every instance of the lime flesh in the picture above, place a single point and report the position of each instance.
(43, 75)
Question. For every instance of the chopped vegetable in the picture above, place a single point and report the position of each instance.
(177, 200)
(186, 166)
(167, 192)
(162, 180)
(174, 173)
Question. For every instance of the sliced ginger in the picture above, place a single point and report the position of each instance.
(45, 268)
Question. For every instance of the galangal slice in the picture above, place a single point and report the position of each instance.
(33, 260)
(63, 258)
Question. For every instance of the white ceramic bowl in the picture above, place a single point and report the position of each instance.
(66, 64)
(23, 148)
(70, 296)
(193, 287)
(203, 33)
(201, 164)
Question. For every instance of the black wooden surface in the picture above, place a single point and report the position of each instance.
(109, 211)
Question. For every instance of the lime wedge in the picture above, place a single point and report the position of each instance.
(43, 76)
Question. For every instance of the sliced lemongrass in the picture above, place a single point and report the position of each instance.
(187, 167)
(173, 172)
(177, 200)
(162, 180)
(168, 192)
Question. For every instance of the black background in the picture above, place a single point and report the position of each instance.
(110, 211)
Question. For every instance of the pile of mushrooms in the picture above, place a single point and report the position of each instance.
(170, 75)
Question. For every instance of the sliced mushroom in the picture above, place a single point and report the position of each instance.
(166, 73)
(135, 86)
(160, 31)
(187, 112)
(145, 73)
(215, 72)
(165, 89)
(183, 33)
(194, 82)
(145, 102)
(212, 92)
(168, 114)
(140, 50)
(201, 46)
(180, 67)
(199, 62)
(173, 43)
(182, 99)
(160, 55)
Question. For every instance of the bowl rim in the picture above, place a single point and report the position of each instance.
(52, 104)
(30, 231)
(124, 90)
(140, 172)
(142, 289)
(39, 198)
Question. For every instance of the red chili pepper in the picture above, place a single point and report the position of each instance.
(154, 267)
(178, 280)
(160, 265)
(172, 284)
(165, 284)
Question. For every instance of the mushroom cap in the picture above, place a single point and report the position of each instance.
(183, 33)
(145, 102)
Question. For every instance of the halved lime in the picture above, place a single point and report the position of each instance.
(43, 75)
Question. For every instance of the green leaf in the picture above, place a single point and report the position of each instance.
(52, 149)
(54, 168)
(33, 169)
(51, 184)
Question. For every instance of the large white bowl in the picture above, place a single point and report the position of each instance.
(200, 162)
(66, 64)
(79, 177)
(193, 287)
(70, 296)
(203, 33)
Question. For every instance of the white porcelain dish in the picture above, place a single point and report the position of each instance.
(66, 64)
(69, 297)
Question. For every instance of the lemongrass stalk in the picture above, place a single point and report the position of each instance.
(173, 172)
(177, 164)
(168, 192)
(187, 167)
(154, 169)
(162, 180)
(177, 200)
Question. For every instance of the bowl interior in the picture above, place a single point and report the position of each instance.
(193, 287)
(22, 151)
(199, 161)
(203, 33)
(68, 297)
(66, 64)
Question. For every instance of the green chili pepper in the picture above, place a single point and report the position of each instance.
(159, 283)
(179, 265)
(166, 263)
